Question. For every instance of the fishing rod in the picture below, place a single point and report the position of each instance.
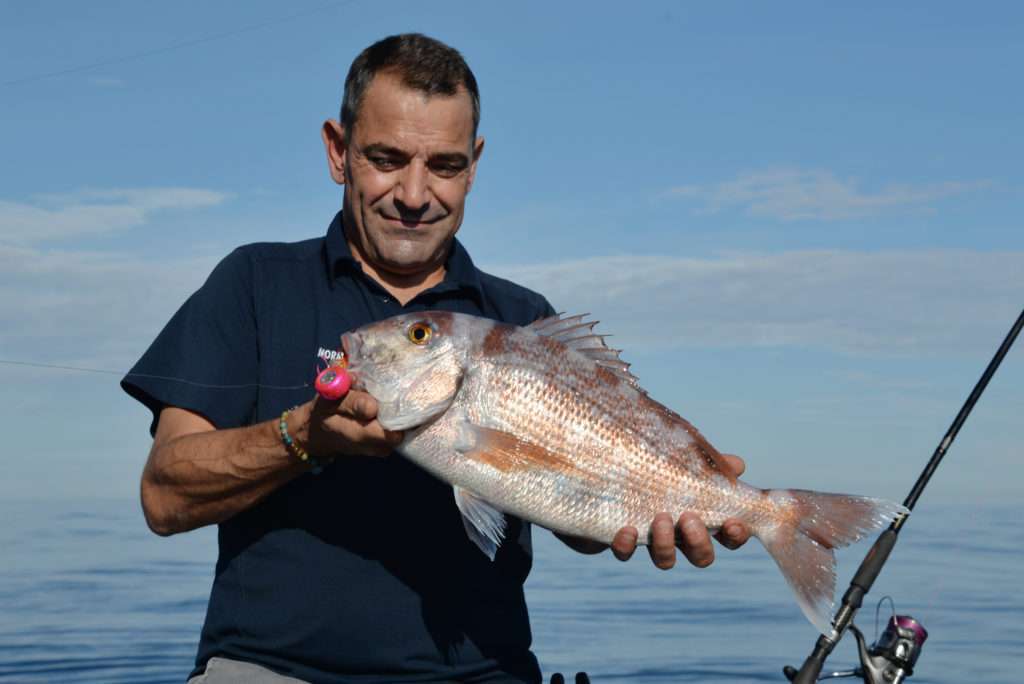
(891, 659)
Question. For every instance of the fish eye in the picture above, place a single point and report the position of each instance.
(419, 333)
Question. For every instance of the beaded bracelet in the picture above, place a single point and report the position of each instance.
(293, 447)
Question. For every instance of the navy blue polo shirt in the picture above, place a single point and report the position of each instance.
(363, 573)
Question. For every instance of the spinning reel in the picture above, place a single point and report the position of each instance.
(890, 660)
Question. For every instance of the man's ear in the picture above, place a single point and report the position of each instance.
(333, 135)
(478, 149)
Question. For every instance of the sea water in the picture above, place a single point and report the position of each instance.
(88, 594)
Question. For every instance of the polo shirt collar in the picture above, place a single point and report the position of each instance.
(460, 272)
(338, 252)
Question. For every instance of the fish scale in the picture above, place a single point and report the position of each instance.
(596, 443)
(547, 423)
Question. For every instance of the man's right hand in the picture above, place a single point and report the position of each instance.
(198, 475)
(348, 426)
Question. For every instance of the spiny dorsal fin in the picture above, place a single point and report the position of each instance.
(578, 334)
(559, 321)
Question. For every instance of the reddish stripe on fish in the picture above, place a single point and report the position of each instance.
(507, 453)
(496, 340)
(442, 321)
(607, 377)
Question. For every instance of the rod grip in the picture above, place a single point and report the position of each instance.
(811, 669)
(872, 564)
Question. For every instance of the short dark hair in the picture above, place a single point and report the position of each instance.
(423, 63)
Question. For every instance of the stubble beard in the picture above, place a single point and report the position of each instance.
(395, 250)
(408, 251)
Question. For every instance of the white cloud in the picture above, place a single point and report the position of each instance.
(793, 194)
(103, 309)
(94, 212)
(88, 308)
(94, 308)
(879, 303)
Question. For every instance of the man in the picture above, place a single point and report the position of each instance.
(357, 570)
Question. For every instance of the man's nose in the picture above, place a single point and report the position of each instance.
(412, 192)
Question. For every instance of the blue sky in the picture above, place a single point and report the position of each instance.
(802, 222)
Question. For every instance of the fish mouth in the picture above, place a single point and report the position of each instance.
(350, 346)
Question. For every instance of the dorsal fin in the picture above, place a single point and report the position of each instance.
(578, 334)
(554, 324)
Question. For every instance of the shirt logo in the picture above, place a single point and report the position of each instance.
(328, 355)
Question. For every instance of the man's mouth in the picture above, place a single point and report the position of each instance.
(411, 222)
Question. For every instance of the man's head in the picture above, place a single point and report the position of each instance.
(406, 151)
(423, 64)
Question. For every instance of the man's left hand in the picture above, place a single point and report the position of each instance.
(688, 534)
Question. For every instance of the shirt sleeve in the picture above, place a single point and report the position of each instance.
(545, 310)
(206, 358)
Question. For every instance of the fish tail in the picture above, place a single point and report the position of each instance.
(804, 533)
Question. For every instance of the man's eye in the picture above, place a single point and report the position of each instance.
(385, 163)
(447, 170)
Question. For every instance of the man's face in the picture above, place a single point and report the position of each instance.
(407, 167)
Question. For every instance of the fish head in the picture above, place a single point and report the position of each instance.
(411, 364)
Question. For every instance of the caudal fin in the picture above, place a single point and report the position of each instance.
(810, 525)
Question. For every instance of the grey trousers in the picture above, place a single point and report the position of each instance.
(226, 671)
(220, 670)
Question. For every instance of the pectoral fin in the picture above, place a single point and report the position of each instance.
(484, 524)
(507, 452)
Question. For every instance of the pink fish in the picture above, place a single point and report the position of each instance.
(547, 423)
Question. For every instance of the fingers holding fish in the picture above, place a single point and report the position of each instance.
(691, 538)
(359, 406)
(733, 534)
(349, 426)
(688, 535)
(737, 464)
(662, 546)
(625, 543)
(695, 541)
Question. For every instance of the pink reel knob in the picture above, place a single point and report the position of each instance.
(333, 383)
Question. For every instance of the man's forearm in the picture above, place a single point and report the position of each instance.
(207, 477)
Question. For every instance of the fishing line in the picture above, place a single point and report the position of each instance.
(878, 610)
(174, 46)
(193, 383)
